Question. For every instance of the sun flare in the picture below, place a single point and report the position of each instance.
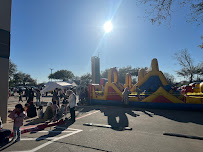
(108, 27)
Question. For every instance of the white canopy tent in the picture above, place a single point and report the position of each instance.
(50, 86)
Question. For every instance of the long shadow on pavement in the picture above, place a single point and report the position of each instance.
(4, 146)
(175, 115)
(82, 146)
(179, 115)
(112, 115)
(121, 114)
(35, 121)
(55, 132)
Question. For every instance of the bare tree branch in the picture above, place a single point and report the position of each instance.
(160, 10)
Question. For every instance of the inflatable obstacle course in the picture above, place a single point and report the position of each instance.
(153, 87)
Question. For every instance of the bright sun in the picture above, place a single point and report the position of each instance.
(108, 27)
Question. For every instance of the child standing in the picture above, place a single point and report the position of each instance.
(18, 116)
(38, 94)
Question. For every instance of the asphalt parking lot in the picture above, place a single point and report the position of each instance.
(147, 134)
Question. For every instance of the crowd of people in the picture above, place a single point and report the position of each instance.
(55, 110)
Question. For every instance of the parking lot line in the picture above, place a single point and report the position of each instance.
(29, 139)
(86, 115)
(74, 131)
(52, 131)
(49, 142)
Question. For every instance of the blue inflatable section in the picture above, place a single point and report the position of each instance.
(167, 87)
(152, 84)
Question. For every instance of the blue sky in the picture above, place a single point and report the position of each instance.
(64, 34)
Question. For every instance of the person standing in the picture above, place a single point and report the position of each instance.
(125, 94)
(137, 89)
(38, 94)
(81, 97)
(72, 104)
(56, 97)
(61, 94)
(55, 109)
(18, 116)
(9, 93)
(20, 95)
(26, 93)
(31, 95)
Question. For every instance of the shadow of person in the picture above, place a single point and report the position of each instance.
(121, 124)
(5, 145)
(121, 115)
(57, 131)
(35, 121)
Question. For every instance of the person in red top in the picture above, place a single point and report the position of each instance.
(18, 116)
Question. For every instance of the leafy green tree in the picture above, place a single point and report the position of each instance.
(12, 69)
(62, 75)
(21, 78)
(85, 79)
(104, 74)
(18, 78)
(27, 79)
(122, 73)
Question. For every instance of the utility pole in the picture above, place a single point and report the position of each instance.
(51, 72)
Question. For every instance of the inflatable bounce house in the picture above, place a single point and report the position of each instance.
(154, 91)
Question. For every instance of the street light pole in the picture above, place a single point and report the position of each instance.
(51, 72)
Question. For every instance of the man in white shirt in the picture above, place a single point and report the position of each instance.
(72, 104)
